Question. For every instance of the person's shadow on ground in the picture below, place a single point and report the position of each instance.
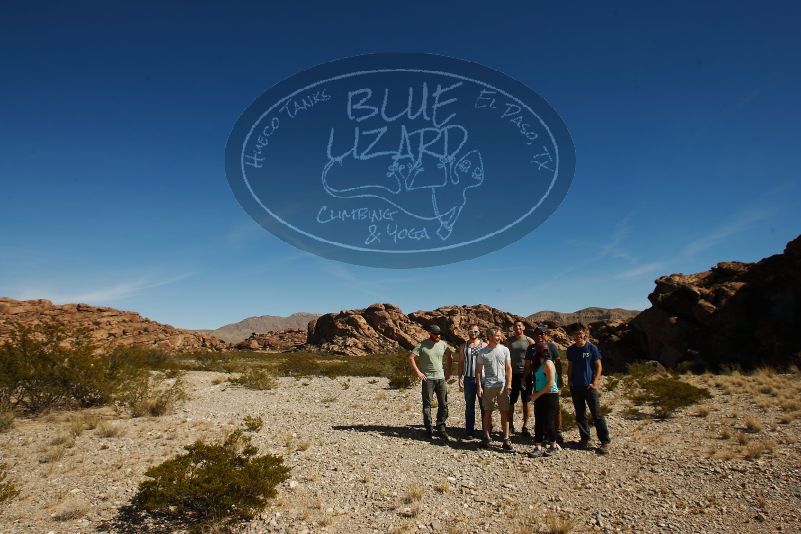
(416, 432)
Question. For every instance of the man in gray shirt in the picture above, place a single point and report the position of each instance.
(521, 384)
(493, 380)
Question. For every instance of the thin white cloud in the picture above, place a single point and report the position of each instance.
(641, 270)
(115, 292)
(743, 221)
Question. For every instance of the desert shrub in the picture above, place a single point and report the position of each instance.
(151, 393)
(107, 429)
(666, 394)
(45, 366)
(142, 357)
(253, 424)
(7, 489)
(640, 370)
(255, 379)
(212, 482)
(214, 361)
(6, 419)
(400, 375)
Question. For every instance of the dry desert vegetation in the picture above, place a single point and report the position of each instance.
(359, 461)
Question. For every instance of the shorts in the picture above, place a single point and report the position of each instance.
(521, 390)
(493, 396)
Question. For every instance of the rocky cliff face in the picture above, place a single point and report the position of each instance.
(385, 328)
(735, 313)
(107, 326)
(273, 341)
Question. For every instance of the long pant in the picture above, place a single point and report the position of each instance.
(470, 396)
(582, 398)
(440, 387)
(545, 409)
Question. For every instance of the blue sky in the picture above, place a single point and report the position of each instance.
(113, 123)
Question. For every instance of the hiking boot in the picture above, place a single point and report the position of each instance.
(443, 435)
(550, 451)
(584, 444)
(525, 431)
(604, 448)
(536, 453)
(507, 445)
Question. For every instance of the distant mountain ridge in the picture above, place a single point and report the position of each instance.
(237, 332)
(585, 315)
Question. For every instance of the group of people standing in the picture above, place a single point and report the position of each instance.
(497, 375)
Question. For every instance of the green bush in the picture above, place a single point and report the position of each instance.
(7, 489)
(45, 366)
(253, 424)
(141, 358)
(214, 361)
(212, 483)
(255, 379)
(666, 394)
(151, 394)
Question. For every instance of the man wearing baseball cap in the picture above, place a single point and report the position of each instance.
(426, 360)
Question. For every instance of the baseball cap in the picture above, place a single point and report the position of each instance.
(434, 329)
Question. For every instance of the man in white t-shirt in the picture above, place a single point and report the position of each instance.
(494, 383)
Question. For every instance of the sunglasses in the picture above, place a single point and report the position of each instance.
(473, 332)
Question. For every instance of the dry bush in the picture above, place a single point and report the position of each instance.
(742, 439)
(702, 411)
(107, 429)
(756, 449)
(725, 434)
(153, 394)
(6, 420)
(304, 445)
(557, 524)
(752, 425)
(258, 379)
(442, 486)
(7, 489)
(63, 438)
(71, 510)
(55, 454)
(414, 493)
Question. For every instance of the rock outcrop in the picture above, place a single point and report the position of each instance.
(273, 341)
(585, 315)
(107, 326)
(746, 314)
(385, 328)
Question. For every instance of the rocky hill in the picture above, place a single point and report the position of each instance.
(385, 328)
(236, 332)
(273, 341)
(747, 314)
(586, 315)
(107, 326)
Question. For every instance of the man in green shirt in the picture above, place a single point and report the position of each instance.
(426, 360)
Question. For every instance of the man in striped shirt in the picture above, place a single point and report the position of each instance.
(467, 376)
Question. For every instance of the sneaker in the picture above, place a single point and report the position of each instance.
(536, 453)
(584, 444)
(485, 443)
(604, 448)
(560, 439)
(443, 435)
(525, 431)
(550, 451)
(512, 429)
(507, 445)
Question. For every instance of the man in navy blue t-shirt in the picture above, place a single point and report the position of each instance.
(584, 371)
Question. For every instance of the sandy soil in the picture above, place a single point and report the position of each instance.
(361, 463)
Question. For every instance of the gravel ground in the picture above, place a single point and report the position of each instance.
(361, 463)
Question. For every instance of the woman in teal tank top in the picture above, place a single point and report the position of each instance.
(546, 402)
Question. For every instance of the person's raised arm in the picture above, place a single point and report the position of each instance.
(413, 364)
